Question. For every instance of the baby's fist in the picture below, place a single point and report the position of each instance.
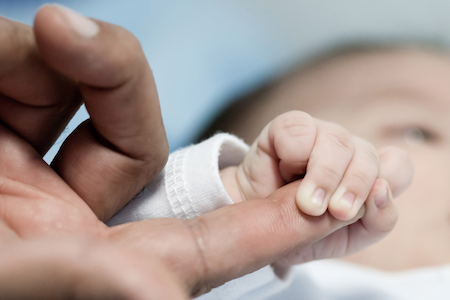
(338, 169)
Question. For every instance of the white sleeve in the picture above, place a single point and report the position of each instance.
(189, 185)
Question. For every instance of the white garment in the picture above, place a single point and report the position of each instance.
(336, 280)
(190, 185)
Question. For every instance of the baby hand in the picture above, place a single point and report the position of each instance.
(339, 169)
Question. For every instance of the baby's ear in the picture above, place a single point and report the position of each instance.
(396, 166)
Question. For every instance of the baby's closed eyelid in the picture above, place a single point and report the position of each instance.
(412, 135)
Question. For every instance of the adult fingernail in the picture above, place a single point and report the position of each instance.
(347, 200)
(82, 26)
(381, 200)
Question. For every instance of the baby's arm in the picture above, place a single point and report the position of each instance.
(339, 169)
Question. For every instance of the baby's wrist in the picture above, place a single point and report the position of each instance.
(230, 182)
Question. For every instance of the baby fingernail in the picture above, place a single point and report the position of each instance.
(347, 200)
(318, 197)
(83, 26)
(310, 199)
(381, 200)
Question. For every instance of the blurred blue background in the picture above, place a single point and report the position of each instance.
(204, 53)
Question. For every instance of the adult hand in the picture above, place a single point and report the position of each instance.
(70, 268)
(106, 161)
(102, 65)
(53, 242)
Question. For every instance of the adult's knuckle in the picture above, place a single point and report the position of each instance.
(153, 162)
(198, 229)
(130, 50)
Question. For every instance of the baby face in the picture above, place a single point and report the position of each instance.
(395, 97)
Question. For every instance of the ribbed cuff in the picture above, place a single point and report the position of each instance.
(193, 184)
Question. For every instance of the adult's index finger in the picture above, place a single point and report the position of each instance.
(116, 81)
(124, 145)
(229, 242)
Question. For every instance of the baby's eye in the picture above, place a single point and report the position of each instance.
(415, 136)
